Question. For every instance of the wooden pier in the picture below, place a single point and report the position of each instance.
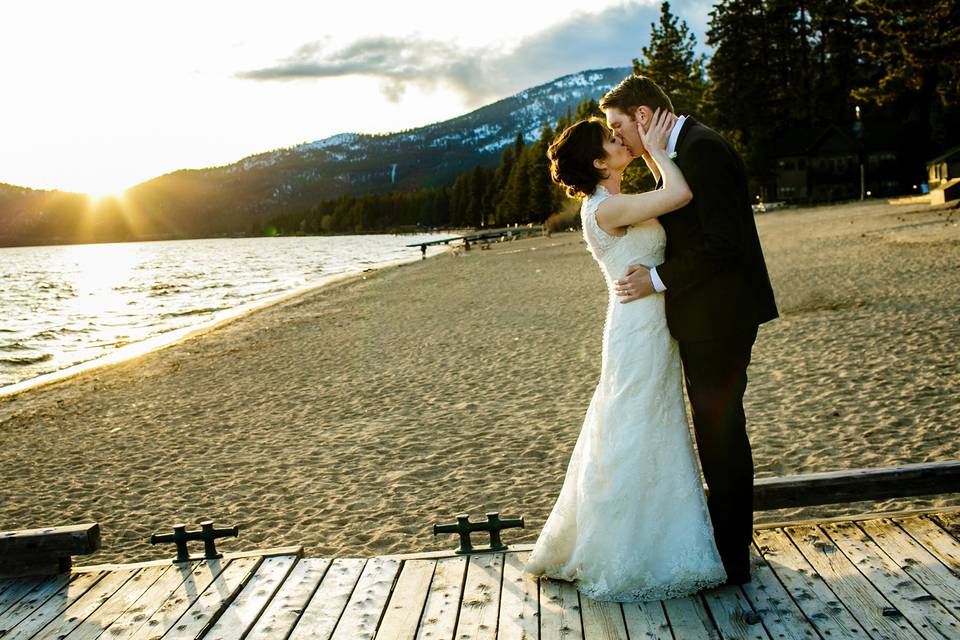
(894, 577)
(483, 236)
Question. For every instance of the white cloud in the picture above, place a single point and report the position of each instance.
(610, 37)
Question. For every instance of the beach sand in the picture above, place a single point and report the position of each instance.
(351, 419)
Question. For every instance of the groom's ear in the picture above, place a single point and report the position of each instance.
(644, 114)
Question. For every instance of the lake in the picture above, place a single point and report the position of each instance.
(61, 306)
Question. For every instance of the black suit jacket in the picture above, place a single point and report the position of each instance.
(716, 278)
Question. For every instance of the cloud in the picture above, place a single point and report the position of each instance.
(611, 37)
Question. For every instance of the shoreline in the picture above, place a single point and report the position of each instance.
(352, 420)
(176, 336)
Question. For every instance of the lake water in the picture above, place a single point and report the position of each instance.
(65, 305)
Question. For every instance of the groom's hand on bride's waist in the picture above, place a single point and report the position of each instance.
(634, 284)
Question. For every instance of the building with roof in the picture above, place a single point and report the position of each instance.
(823, 165)
(943, 176)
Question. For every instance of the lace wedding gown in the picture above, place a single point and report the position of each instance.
(631, 522)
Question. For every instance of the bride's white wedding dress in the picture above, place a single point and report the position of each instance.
(631, 522)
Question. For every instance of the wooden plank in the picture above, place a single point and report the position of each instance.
(480, 604)
(77, 613)
(291, 550)
(239, 617)
(602, 620)
(689, 619)
(855, 517)
(442, 608)
(781, 616)
(732, 612)
(165, 616)
(104, 616)
(519, 609)
(284, 610)
(204, 611)
(928, 616)
(647, 621)
(808, 590)
(362, 614)
(916, 562)
(856, 592)
(294, 550)
(940, 543)
(20, 588)
(560, 610)
(101, 605)
(324, 609)
(949, 521)
(45, 603)
(402, 616)
(856, 485)
(146, 606)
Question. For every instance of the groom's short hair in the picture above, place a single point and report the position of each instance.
(633, 92)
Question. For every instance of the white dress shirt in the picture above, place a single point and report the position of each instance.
(671, 147)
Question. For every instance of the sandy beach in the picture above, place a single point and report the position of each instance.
(351, 419)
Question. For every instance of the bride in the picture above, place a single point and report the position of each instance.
(631, 522)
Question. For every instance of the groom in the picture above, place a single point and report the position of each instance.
(716, 293)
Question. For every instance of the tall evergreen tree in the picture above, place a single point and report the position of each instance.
(543, 198)
(671, 61)
(918, 51)
(501, 177)
(516, 186)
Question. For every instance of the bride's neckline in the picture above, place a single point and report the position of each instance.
(600, 187)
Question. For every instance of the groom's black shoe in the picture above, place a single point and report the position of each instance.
(737, 578)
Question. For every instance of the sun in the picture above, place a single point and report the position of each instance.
(100, 194)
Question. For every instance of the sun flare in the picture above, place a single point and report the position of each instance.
(99, 195)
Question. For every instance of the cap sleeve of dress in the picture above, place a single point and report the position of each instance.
(596, 238)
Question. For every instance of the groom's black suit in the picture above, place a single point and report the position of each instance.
(718, 292)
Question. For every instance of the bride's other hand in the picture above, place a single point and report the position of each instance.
(657, 135)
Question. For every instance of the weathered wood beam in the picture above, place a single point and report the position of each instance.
(856, 485)
(72, 540)
(45, 551)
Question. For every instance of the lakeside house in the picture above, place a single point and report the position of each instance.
(943, 176)
(824, 165)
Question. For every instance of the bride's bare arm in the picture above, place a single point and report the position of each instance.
(623, 210)
(651, 165)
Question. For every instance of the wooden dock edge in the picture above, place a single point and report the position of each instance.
(856, 517)
(295, 550)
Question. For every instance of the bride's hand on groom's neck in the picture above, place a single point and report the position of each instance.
(658, 133)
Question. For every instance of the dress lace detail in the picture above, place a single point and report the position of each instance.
(598, 240)
(631, 522)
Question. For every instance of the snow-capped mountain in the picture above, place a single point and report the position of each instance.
(430, 155)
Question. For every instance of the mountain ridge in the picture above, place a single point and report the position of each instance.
(234, 198)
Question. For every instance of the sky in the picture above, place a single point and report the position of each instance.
(100, 95)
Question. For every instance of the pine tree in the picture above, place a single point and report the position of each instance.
(669, 59)
(514, 207)
(511, 182)
(589, 108)
(742, 103)
(542, 194)
(918, 50)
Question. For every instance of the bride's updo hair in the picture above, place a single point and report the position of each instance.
(572, 154)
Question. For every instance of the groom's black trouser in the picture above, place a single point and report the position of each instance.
(716, 377)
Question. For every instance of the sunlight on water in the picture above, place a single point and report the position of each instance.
(96, 281)
(65, 305)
